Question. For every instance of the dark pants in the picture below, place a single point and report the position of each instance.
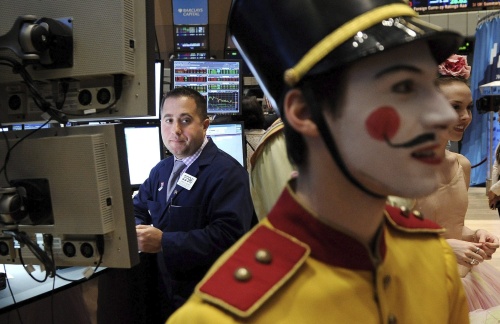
(131, 295)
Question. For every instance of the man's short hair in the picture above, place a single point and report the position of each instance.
(201, 103)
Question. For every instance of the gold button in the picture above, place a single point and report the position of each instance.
(242, 274)
(263, 256)
(392, 319)
(418, 214)
(404, 211)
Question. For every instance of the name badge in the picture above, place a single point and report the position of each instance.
(186, 181)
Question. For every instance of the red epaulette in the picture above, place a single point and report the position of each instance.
(409, 220)
(258, 267)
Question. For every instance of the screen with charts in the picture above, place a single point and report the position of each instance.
(230, 137)
(219, 81)
(190, 37)
(144, 150)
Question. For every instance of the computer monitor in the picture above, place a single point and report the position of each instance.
(191, 37)
(419, 5)
(74, 183)
(35, 126)
(99, 64)
(159, 74)
(144, 150)
(191, 55)
(230, 137)
(219, 81)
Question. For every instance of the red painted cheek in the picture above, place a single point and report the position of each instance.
(383, 123)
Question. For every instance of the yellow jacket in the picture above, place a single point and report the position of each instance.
(291, 268)
(270, 169)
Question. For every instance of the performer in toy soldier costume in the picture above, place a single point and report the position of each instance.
(355, 85)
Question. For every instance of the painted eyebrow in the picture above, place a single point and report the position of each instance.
(397, 68)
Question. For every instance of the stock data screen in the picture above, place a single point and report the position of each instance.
(436, 6)
(188, 38)
(219, 81)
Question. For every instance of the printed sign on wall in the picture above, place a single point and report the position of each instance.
(190, 12)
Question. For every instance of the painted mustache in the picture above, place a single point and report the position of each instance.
(414, 142)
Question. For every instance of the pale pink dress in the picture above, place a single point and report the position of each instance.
(447, 207)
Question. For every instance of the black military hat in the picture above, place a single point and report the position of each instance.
(284, 41)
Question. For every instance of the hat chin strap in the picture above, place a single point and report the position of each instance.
(327, 137)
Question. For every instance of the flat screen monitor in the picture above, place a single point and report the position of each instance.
(419, 5)
(159, 74)
(144, 151)
(75, 186)
(438, 6)
(219, 81)
(102, 67)
(191, 55)
(35, 126)
(191, 37)
(230, 137)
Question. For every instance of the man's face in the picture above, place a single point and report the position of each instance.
(182, 129)
(391, 121)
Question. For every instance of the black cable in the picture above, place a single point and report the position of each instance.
(29, 273)
(65, 88)
(56, 113)
(476, 165)
(45, 106)
(253, 149)
(6, 141)
(41, 255)
(100, 248)
(48, 242)
(52, 310)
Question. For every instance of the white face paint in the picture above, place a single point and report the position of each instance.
(391, 121)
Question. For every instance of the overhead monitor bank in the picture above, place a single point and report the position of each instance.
(85, 60)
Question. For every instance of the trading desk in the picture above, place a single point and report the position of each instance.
(50, 301)
(25, 288)
(110, 296)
